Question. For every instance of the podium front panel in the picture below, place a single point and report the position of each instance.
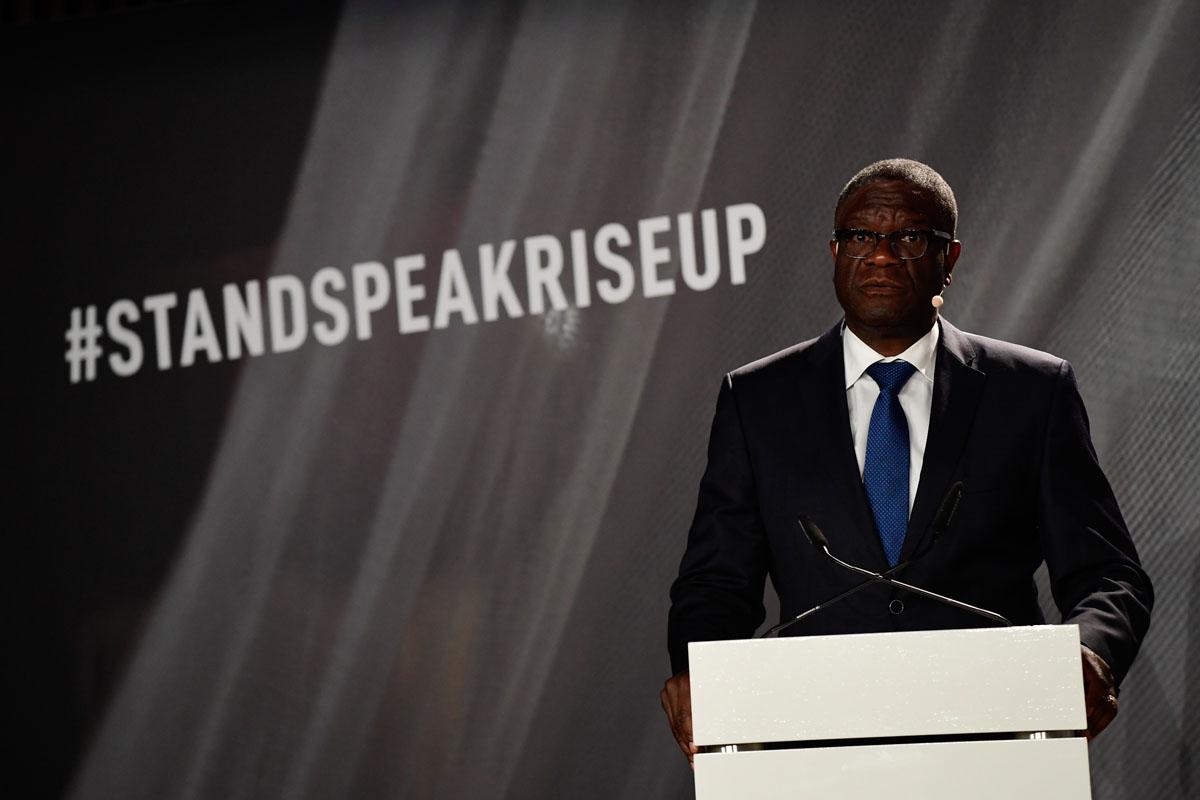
(924, 683)
(984, 770)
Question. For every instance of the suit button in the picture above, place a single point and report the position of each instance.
(896, 607)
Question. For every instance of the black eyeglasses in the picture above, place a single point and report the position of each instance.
(906, 244)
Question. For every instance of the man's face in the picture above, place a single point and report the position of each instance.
(882, 291)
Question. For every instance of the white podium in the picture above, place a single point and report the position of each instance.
(937, 715)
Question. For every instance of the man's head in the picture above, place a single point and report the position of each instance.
(921, 177)
(885, 291)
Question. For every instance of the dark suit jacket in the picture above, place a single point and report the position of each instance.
(1006, 420)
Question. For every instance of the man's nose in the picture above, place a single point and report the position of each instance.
(883, 254)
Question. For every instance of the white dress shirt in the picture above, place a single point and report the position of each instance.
(916, 398)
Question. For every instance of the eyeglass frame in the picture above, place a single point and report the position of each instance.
(840, 234)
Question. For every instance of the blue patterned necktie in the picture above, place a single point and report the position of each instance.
(885, 471)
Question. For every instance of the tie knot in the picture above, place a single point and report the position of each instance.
(891, 375)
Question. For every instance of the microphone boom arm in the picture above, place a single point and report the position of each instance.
(939, 526)
(885, 576)
(876, 577)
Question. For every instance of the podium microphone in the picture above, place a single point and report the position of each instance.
(939, 526)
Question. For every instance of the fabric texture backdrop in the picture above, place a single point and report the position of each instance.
(436, 565)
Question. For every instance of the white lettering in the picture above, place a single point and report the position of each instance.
(579, 268)
(371, 293)
(199, 333)
(124, 366)
(325, 280)
(651, 257)
(543, 268)
(613, 232)
(739, 246)
(279, 287)
(494, 285)
(407, 293)
(243, 320)
(160, 305)
(454, 294)
(369, 286)
(692, 278)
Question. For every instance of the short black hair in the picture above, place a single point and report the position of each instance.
(922, 176)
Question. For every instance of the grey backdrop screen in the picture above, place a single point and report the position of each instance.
(362, 373)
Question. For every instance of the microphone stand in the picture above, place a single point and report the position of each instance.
(941, 523)
(885, 576)
(875, 577)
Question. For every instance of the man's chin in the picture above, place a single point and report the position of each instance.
(886, 315)
(898, 320)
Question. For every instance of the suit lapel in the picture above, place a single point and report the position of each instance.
(957, 388)
(849, 511)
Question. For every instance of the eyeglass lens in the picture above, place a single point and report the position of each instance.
(905, 244)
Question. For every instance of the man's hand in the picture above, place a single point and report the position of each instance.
(1099, 693)
(676, 697)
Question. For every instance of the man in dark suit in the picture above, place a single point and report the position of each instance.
(865, 428)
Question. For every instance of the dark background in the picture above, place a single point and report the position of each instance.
(435, 565)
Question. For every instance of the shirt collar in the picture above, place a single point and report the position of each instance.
(857, 355)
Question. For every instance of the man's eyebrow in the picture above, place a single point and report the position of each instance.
(910, 221)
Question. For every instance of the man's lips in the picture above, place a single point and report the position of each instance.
(880, 287)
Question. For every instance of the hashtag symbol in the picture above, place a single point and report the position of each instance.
(82, 350)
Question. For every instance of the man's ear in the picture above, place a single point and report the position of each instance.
(833, 248)
(953, 251)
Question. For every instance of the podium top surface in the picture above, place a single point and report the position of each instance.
(923, 683)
